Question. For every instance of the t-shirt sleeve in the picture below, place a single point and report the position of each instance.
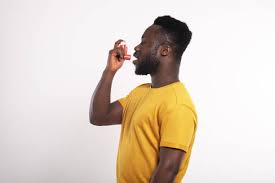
(123, 100)
(177, 127)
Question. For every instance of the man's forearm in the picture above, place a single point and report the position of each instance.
(100, 101)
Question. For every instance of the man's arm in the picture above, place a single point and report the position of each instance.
(101, 111)
(168, 166)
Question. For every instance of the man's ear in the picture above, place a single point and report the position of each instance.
(165, 50)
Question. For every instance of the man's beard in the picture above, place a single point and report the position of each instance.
(149, 65)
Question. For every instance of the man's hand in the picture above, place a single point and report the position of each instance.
(116, 57)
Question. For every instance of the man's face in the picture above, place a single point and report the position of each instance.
(146, 52)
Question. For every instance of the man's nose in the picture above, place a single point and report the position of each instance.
(136, 48)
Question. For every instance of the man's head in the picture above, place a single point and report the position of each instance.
(166, 39)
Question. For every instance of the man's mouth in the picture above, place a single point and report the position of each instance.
(136, 55)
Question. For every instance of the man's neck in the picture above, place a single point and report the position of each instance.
(159, 80)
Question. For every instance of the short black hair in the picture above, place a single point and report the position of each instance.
(177, 32)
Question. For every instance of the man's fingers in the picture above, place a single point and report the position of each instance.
(118, 42)
(118, 53)
(123, 53)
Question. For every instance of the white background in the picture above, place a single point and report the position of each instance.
(52, 54)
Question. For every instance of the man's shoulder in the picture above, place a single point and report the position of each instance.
(182, 96)
(142, 86)
(178, 98)
(139, 88)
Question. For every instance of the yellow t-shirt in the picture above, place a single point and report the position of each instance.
(154, 117)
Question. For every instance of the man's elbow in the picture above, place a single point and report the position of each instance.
(95, 120)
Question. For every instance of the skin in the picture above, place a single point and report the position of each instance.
(167, 70)
(154, 57)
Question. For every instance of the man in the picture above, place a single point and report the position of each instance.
(158, 119)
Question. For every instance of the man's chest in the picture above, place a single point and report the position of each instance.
(142, 113)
